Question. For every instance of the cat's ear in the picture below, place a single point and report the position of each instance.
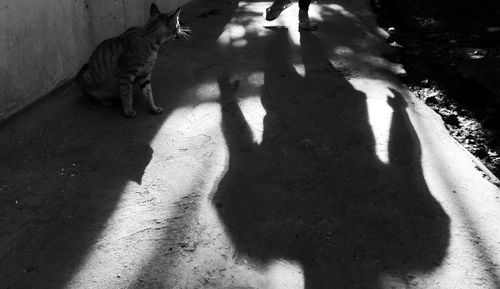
(174, 16)
(153, 10)
(176, 13)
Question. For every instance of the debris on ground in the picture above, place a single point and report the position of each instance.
(451, 53)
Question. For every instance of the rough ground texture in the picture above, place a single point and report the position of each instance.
(283, 160)
(451, 51)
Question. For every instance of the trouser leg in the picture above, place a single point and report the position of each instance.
(304, 4)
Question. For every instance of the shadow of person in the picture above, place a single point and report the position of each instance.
(314, 191)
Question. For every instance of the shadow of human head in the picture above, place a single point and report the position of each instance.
(314, 191)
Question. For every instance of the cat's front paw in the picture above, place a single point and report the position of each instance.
(156, 110)
(130, 113)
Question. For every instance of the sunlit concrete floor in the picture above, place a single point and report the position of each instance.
(283, 160)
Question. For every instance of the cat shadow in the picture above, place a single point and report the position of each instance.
(314, 191)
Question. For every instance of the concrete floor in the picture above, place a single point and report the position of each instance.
(283, 160)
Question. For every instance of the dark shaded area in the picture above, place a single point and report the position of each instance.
(466, 14)
(452, 56)
(314, 190)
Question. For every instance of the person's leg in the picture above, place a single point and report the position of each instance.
(304, 5)
(304, 22)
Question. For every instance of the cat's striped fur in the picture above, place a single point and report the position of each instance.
(119, 63)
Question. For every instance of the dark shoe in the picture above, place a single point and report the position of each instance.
(275, 10)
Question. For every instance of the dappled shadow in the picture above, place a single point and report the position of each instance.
(314, 190)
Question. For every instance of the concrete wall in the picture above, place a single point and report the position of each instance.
(45, 42)
(117, 16)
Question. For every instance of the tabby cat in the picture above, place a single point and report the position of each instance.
(119, 63)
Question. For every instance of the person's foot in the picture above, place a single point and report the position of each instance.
(305, 24)
(275, 10)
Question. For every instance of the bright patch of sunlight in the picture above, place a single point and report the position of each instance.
(339, 9)
(300, 69)
(285, 275)
(240, 43)
(208, 91)
(314, 12)
(379, 112)
(256, 79)
(254, 114)
(233, 33)
(382, 33)
(381, 62)
(343, 50)
(188, 126)
(237, 31)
